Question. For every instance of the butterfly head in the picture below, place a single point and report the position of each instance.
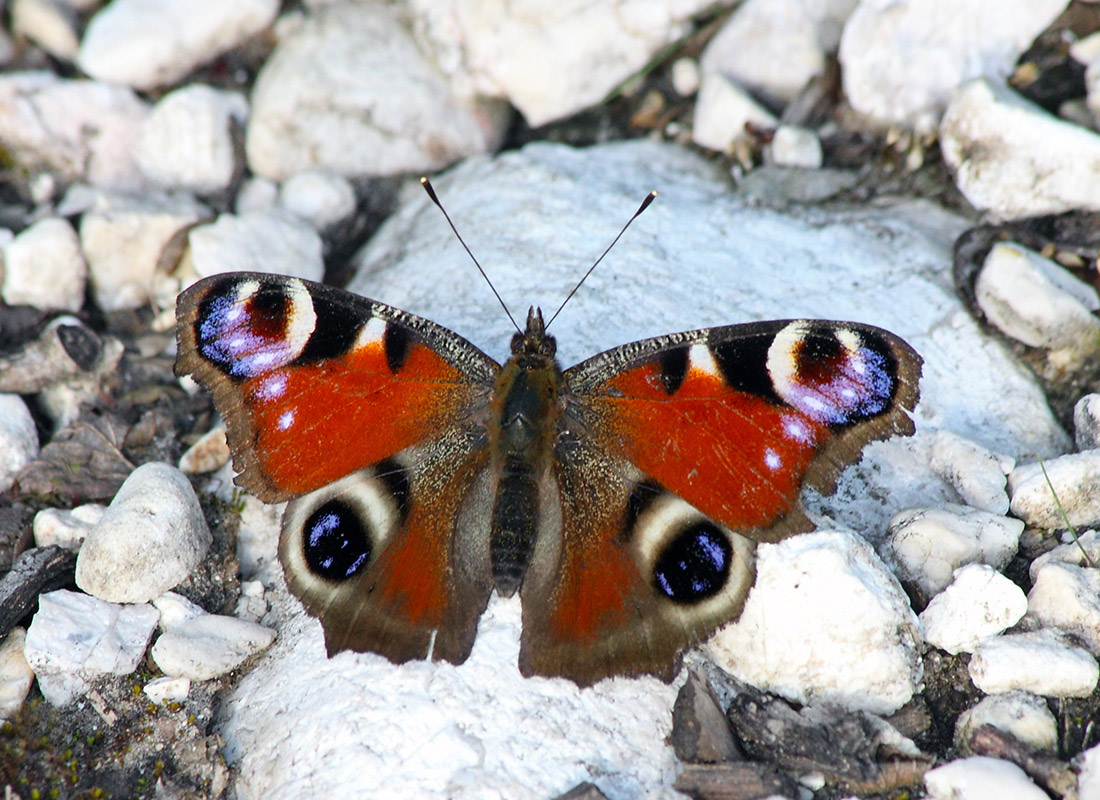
(534, 347)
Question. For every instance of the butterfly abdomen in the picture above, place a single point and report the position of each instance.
(512, 536)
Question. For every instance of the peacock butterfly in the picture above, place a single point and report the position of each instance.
(622, 498)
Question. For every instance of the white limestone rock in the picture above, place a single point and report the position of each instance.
(794, 146)
(78, 130)
(150, 539)
(208, 646)
(550, 60)
(251, 605)
(320, 199)
(43, 267)
(131, 242)
(167, 690)
(722, 110)
(979, 602)
(16, 675)
(1074, 478)
(1086, 422)
(1013, 159)
(1023, 715)
(826, 621)
(1088, 779)
(1074, 549)
(979, 476)
(256, 241)
(175, 609)
(774, 47)
(187, 141)
(313, 110)
(929, 544)
(66, 528)
(902, 59)
(1041, 662)
(256, 194)
(434, 730)
(151, 43)
(49, 24)
(685, 76)
(209, 453)
(981, 778)
(258, 539)
(1033, 300)
(1067, 597)
(75, 638)
(18, 438)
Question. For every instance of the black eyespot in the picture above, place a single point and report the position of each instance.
(336, 542)
(695, 565)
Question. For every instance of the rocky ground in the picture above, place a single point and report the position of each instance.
(931, 171)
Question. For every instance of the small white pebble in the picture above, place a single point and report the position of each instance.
(321, 199)
(209, 646)
(44, 268)
(1042, 662)
(1086, 422)
(685, 76)
(16, 675)
(209, 453)
(978, 475)
(1023, 715)
(979, 602)
(981, 778)
(167, 690)
(1067, 597)
(18, 438)
(1073, 478)
(66, 528)
(722, 110)
(794, 146)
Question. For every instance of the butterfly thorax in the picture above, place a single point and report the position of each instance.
(523, 425)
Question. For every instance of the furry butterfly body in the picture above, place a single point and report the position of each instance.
(622, 498)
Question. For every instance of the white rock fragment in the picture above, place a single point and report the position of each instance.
(209, 453)
(1041, 662)
(320, 199)
(150, 539)
(49, 24)
(16, 675)
(1088, 779)
(979, 602)
(684, 74)
(981, 778)
(794, 146)
(1014, 159)
(1086, 422)
(774, 47)
(312, 110)
(825, 621)
(66, 528)
(43, 267)
(1023, 715)
(251, 605)
(209, 646)
(187, 141)
(256, 241)
(256, 194)
(18, 438)
(79, 130)
(901, 60)
(929, 544)
(167, 690)
(550, 61)
(175, 609)
(74, 638)
(1067, 597)
(1074, 478)
(979, 476)
(258, 538)
(151, 43)
(722, 110)
(1033, 300)
(1073, 551)
(132, 242)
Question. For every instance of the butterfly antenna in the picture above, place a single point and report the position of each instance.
(649, 198)
(431, 193)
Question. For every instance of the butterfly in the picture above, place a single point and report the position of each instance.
(622, 498)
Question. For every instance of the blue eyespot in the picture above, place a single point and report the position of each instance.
(337, 544)
(695, 565)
